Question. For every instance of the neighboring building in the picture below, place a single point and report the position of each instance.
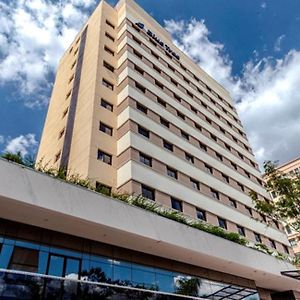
(134, 114)
(291, 168)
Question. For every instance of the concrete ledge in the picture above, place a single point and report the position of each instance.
(37, 199)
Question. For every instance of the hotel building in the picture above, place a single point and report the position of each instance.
(134, 114)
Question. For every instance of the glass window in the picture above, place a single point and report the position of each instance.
(201, 215)
(257, 237)
(143, 276)
(106, 105)
(104, 157)
(232, 203)
(97, 270)
(108, 66)
(5, 255)
(215, 194)
(165, 283)
(24, 259)
(148, 192)
(161, 102)
(103, 189)
(222, 223)
(195, 184)
(189, 158)
(176, 204)
(172, 173)
(109, 51)
(164, 122)
(141, 108)
(106, 129)
(109, 36)
(208, 168)
(107, 84)
(168, 146)
(143, 131)
(184, 135)
(145, 159)
(202, 146)
(272, 243)
(56, 266)
(72, 268)
(121, 272)
(241, 230)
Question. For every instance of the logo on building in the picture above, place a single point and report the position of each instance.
(158, 40)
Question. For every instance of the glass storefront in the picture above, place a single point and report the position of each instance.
(84, 267)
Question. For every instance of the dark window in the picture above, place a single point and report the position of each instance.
(208, 120)
(240, 155)
(293, 242)
(241, 186)
(215, 194)
(143, 131)
(235, 139)
(222, 130)
(108, 66)
(138, 69)
(174, 82)
(160, 85)
(148, 192)
(176, 204)
(168, 146)
(201, 215)
(189, 94)
(177, 98)
(109, 51)
(153, 53)
(272, 244)
(202, 146)
(171, 68)
(184, 135)
(106, 129)
(288, 229)
(61, 133)
(286, 249)
(161, 102)
(140, 87)
(145, 159)
(222, 223)
(241, 230)
(104, 157)
(257, 237)
(249, 210)
(110, 24)
(106, 105)
(138, 54)
(109, 36)
(57, 156)
(65, 112)
(263, 217)
(213, 137)
(194, 109)
(228, 147)
(198, 126)
(156, 69)
(234, 165)
(208, 168)
(103, 189)
(107, 84)
(247, 174)
(136, 40)
(141, 108)
(164, 122)
(276, 223)
(180, 115)
(232, 203)
(172, 173)
(195, 184)
(219, 156)
(225, 178)
(24, 259)
(189, 158)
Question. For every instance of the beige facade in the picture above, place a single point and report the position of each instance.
(131, 112)
(292, 168)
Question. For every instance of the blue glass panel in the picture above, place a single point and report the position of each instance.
(1, 240)
(9, 241)
(96, 271)
(72, 268)
(165, 283)
(56, 266)
(43, 259)
(143, 278)
(5, 255)
(27, 245)
(122, 275)
(65, 252)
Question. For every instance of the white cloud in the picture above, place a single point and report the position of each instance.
(2, 139)
(33, 36)
(277, 46)
(24, 143)
(263, 5)
(267, 92)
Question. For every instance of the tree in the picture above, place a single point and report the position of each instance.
(286, 207)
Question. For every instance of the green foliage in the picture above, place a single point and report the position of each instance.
(286, 207)
(26, 160)
(188, 286)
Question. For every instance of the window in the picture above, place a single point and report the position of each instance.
(219, 156)
(71, 78)
(172, 173)
(201, 215)
(293, 242)
(61, 133)
(143, 131)
(225, 178)
(249, 210)
(208, 168)
(202, 146)
(276, 223)
(227, 147)
(288, 229)
(208, 120)
(164, 122)
(106, 105)
(141, 108)
(103, 189)
(240, 155)
(241, 230)
(148, 192)
(257, 237)
(195, 184)
(176, 204)
(156, 69)
(215, 194)
(180, 115)
(272, 244)
(194, 109)
(145, 159)
(286, 249)
(241, 186)
(138, 54)
(110, 24)
(65, 112)
(177, 98)
(73, 65)
(184, 135)
(140, 87)
(161, 102)
(189, 158)
(109, 51)
(160, 85)
(171, 68)
(104, 157)
(198, 127)
(57, 156)
(106, 129)
(109, 36)
(108, 66)
(213, 137)
(138, 69)
(174, 82)
(107, 84)
(263, 217)
(234, 165)
(168, 146)
(136, 40)
(222, 223)
(154, 54)
(24, 259)
(189, 94)
(247, 174)
(232, 203)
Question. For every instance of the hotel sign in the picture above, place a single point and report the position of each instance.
(158, 40)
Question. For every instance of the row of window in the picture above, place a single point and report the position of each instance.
(197, 79)
(176, 204)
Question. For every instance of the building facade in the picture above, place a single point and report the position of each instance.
(135, 115)
(292, 168)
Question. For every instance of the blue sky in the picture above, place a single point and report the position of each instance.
(252, 47)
